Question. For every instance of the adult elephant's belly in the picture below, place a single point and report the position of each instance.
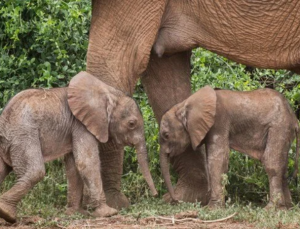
(258, 33)
(55, 145)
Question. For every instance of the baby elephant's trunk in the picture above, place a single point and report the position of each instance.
(164, 165)
(142, 157)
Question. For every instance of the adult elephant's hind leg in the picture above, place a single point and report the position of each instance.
(167, 82)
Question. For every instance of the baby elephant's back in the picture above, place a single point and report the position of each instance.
(37, 106)
(280, 104)
(266, 107)
(41, 111)
(38, 116)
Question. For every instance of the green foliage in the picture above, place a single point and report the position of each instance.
(44, 44)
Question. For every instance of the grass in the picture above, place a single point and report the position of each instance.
(48, 200)
(247, 213)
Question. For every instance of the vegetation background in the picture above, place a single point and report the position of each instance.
(43, 43)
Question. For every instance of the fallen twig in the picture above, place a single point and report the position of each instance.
(60, 226)
(219, 220)
(196, 220)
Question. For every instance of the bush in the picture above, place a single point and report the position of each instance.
(44, 43)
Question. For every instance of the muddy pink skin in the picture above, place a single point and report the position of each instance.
(38, 125)
(259, 123)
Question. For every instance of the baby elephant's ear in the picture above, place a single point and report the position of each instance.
(91, 102)
(200, 112)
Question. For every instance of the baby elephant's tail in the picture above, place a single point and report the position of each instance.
(295, 173)
(3, 133)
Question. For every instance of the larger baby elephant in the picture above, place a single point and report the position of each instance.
(259, 123)
(38, 126)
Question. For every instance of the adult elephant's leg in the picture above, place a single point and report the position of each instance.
(167, 82)
(111, 170)
(121, 36)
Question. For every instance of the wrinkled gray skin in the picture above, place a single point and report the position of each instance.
(126, 38)
(259, 123)
(38, 126)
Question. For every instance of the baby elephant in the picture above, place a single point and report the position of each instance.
(258, 123)
(39, 125)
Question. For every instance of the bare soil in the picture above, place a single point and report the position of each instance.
(180, 221)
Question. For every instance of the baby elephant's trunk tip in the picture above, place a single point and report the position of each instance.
(164, 165)
(142, 157)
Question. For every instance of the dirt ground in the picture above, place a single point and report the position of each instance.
(130, 223)
(180, 221)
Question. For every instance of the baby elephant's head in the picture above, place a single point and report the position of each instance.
(126, 123)
(108, 113)
(186, 123)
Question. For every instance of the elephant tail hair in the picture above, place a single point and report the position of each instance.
(296, 168)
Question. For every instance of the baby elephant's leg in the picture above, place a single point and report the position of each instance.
(28, 165)
(4, 170)
(275, 162)
(286, 191)
(78, 197)
(75, 185)
(218, 158)
(86, 155)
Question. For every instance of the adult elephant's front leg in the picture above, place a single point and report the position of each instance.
(167, 82)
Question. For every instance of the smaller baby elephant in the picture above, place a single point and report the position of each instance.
(39, 125)
(258, 123)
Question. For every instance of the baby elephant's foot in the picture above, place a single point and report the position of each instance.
(104, 211)
(273, 206)
(73, 210)
(214, 204)
(8, 212)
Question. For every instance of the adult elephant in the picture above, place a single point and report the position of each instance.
(263, 34)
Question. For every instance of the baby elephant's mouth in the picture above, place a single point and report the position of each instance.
(130, 144)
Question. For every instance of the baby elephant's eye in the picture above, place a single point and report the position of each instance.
(131, 124)
(166, 135)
